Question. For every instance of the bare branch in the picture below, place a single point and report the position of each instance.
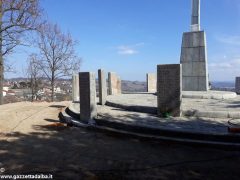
(58, 57)
(17, 17)
(33, 72)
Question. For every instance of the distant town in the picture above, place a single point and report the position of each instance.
(19, 89)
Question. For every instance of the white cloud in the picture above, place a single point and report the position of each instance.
(225, 62)
(224, 68)
(139, 44)
(225, 65)
(126, 50)
(129, 49)
(220, 65)
(229, 39)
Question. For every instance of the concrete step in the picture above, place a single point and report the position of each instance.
(226, 138)
(226, 141)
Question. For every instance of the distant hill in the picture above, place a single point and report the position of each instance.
(134, 86)
(140, 86)
(223, 86)
(26, 79)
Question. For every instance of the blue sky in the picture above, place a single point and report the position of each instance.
(130, 37)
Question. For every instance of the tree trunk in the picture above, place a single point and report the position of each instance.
(1, 58)
(32, 87)
(1, 77)
(52, 83)
(52, 92)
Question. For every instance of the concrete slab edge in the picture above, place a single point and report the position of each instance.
(143, 109)
(205, 96)
(225, 145)
(211, 114)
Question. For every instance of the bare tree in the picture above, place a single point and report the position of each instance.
(58, 57)
(16, 17)
(34, 74)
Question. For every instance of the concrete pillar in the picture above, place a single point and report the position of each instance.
(112, 83)
(194, 62)
(169, 89)
(102, 87)
(75, 88)
(119, 85)
(151, 82)
(237, 85)
(195, 20)
(88, 107)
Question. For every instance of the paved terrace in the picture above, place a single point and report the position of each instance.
(186, 124)
(208, 116)
(197, 106)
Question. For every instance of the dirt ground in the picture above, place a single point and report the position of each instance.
(32, 143)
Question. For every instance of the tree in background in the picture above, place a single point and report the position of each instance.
(57, 54)
(34, 74)
(16, 18)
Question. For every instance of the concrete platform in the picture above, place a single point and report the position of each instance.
(211, 108)
(205, 121)
(189, 124)
(203, 131)
(219, 95)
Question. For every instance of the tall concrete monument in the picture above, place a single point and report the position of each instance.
(195, 21)
(194, 55)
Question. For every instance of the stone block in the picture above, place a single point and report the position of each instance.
(151, 82)
(237, 85)
(113, 83)
(119, 85)
(194, 39)
(75, 88)
(187, 69)
(233, 114)
(188, 82)
(199, 69)
(203, 83)
(169, 89)
(194, 61)
(198, 39)
(88, 108)
(190, 54)
(102, 87)
(203, 54)
(187, 40)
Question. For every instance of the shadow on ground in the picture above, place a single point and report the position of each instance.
(57, 106)
(72, 153)
(51, 120)
(196, 125)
